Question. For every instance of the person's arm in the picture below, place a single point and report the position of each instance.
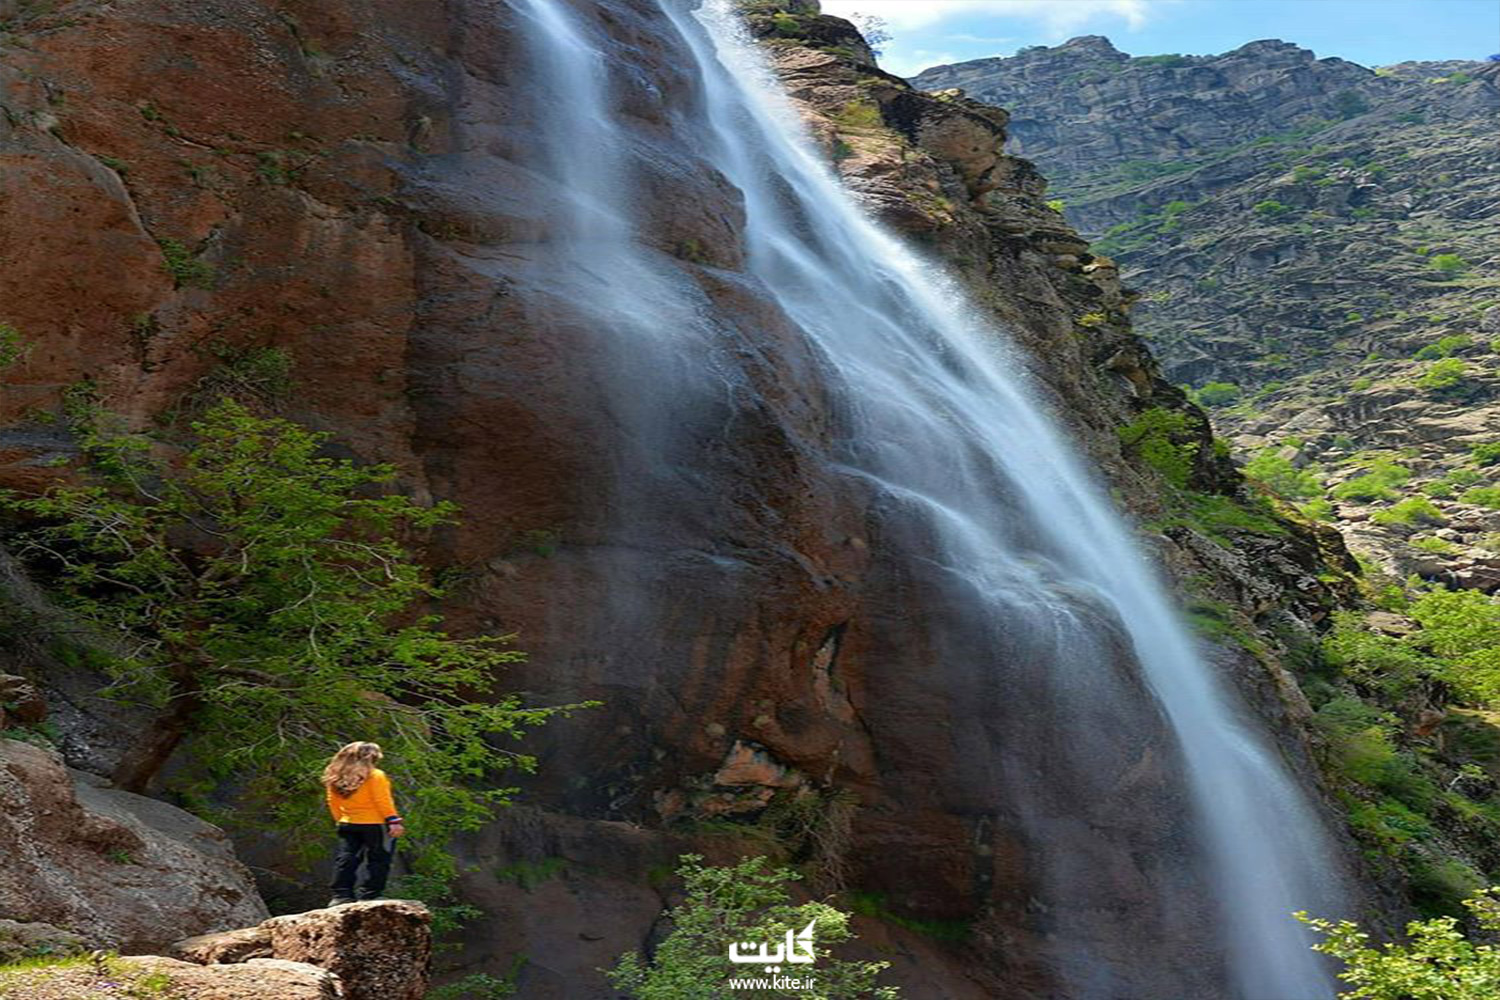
(333, 808)
(386, 803)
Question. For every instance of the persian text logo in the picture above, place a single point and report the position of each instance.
(796, 950)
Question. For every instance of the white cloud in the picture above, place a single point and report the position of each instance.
(1057, 16)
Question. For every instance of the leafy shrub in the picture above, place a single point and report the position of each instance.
(1448, 264)
(859, 115)
(1377, 483)
(745, 902)
(1153, 436)
(1443, 376)
(1417, 510)
(1271, 208)
(1462, 629)
(1483, 496)
(1487, 453)
(13, 346)
(1437, 962)
(1270, 467)
(1216, 394)
(1443, 347)
(1433, 545)
(186, 269)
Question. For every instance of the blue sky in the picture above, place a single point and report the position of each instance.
(1370, 32)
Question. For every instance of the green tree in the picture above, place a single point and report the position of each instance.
(1269, 466)
(1437, 962)
(1216, 394)
(262, 599)
(745, 902)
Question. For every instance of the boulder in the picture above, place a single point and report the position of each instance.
(21, 704)
(224, 948)
(30, 940)
(120, 870)
(379, 949)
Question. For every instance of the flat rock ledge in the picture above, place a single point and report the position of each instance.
(375, 950)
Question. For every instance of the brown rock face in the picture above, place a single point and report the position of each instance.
(348, 183)
(119, 870)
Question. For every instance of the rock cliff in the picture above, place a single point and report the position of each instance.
(1312, 237)
(319, 205)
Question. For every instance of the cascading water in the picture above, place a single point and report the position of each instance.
(947, 441)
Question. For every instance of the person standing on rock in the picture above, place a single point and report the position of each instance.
(359, 797)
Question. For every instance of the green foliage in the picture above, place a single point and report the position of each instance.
(1483, 496)
(1448, 264)
(1433, 545)
(1437, 962)
(249, 374)
(1167, 61)
(1270, 208)
(1390, 665)
(1216, 394)
(186, 269)
(1269, 466)
(1378, 482)
(264, 601)
(13, 346)
(1487, 453)
(1056, 204)
(1444, 377)
(1155, 437)
(859, 115)
(1462, 628)
(745, 902)
(1444, 347)
(1416, 510)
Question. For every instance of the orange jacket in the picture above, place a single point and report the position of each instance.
(370, 803)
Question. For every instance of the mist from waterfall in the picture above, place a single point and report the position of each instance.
(936, 419)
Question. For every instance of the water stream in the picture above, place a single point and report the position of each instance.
(937, 423)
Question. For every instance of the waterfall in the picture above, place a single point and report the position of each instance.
(933, 419)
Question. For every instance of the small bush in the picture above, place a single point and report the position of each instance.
(1216, 394)
(1277, 472)
(1417, 510)
(1153, 436)
(1444, 376)
(1271, 208)
(13, 346)
(1485, 454)
(859, 115)
(1483, 496)
(1378, 483)
(187, 271)
(1433, 545)
(1444, 347)
(1448, 264)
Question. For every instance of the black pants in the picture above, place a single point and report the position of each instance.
(361, 842)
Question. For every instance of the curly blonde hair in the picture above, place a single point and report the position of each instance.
(349, 768)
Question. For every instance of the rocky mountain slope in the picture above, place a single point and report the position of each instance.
(1314, 240)
(318, 207)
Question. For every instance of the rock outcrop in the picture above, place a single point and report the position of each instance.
(118, 870)
(375, 950)
(1310, 233)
